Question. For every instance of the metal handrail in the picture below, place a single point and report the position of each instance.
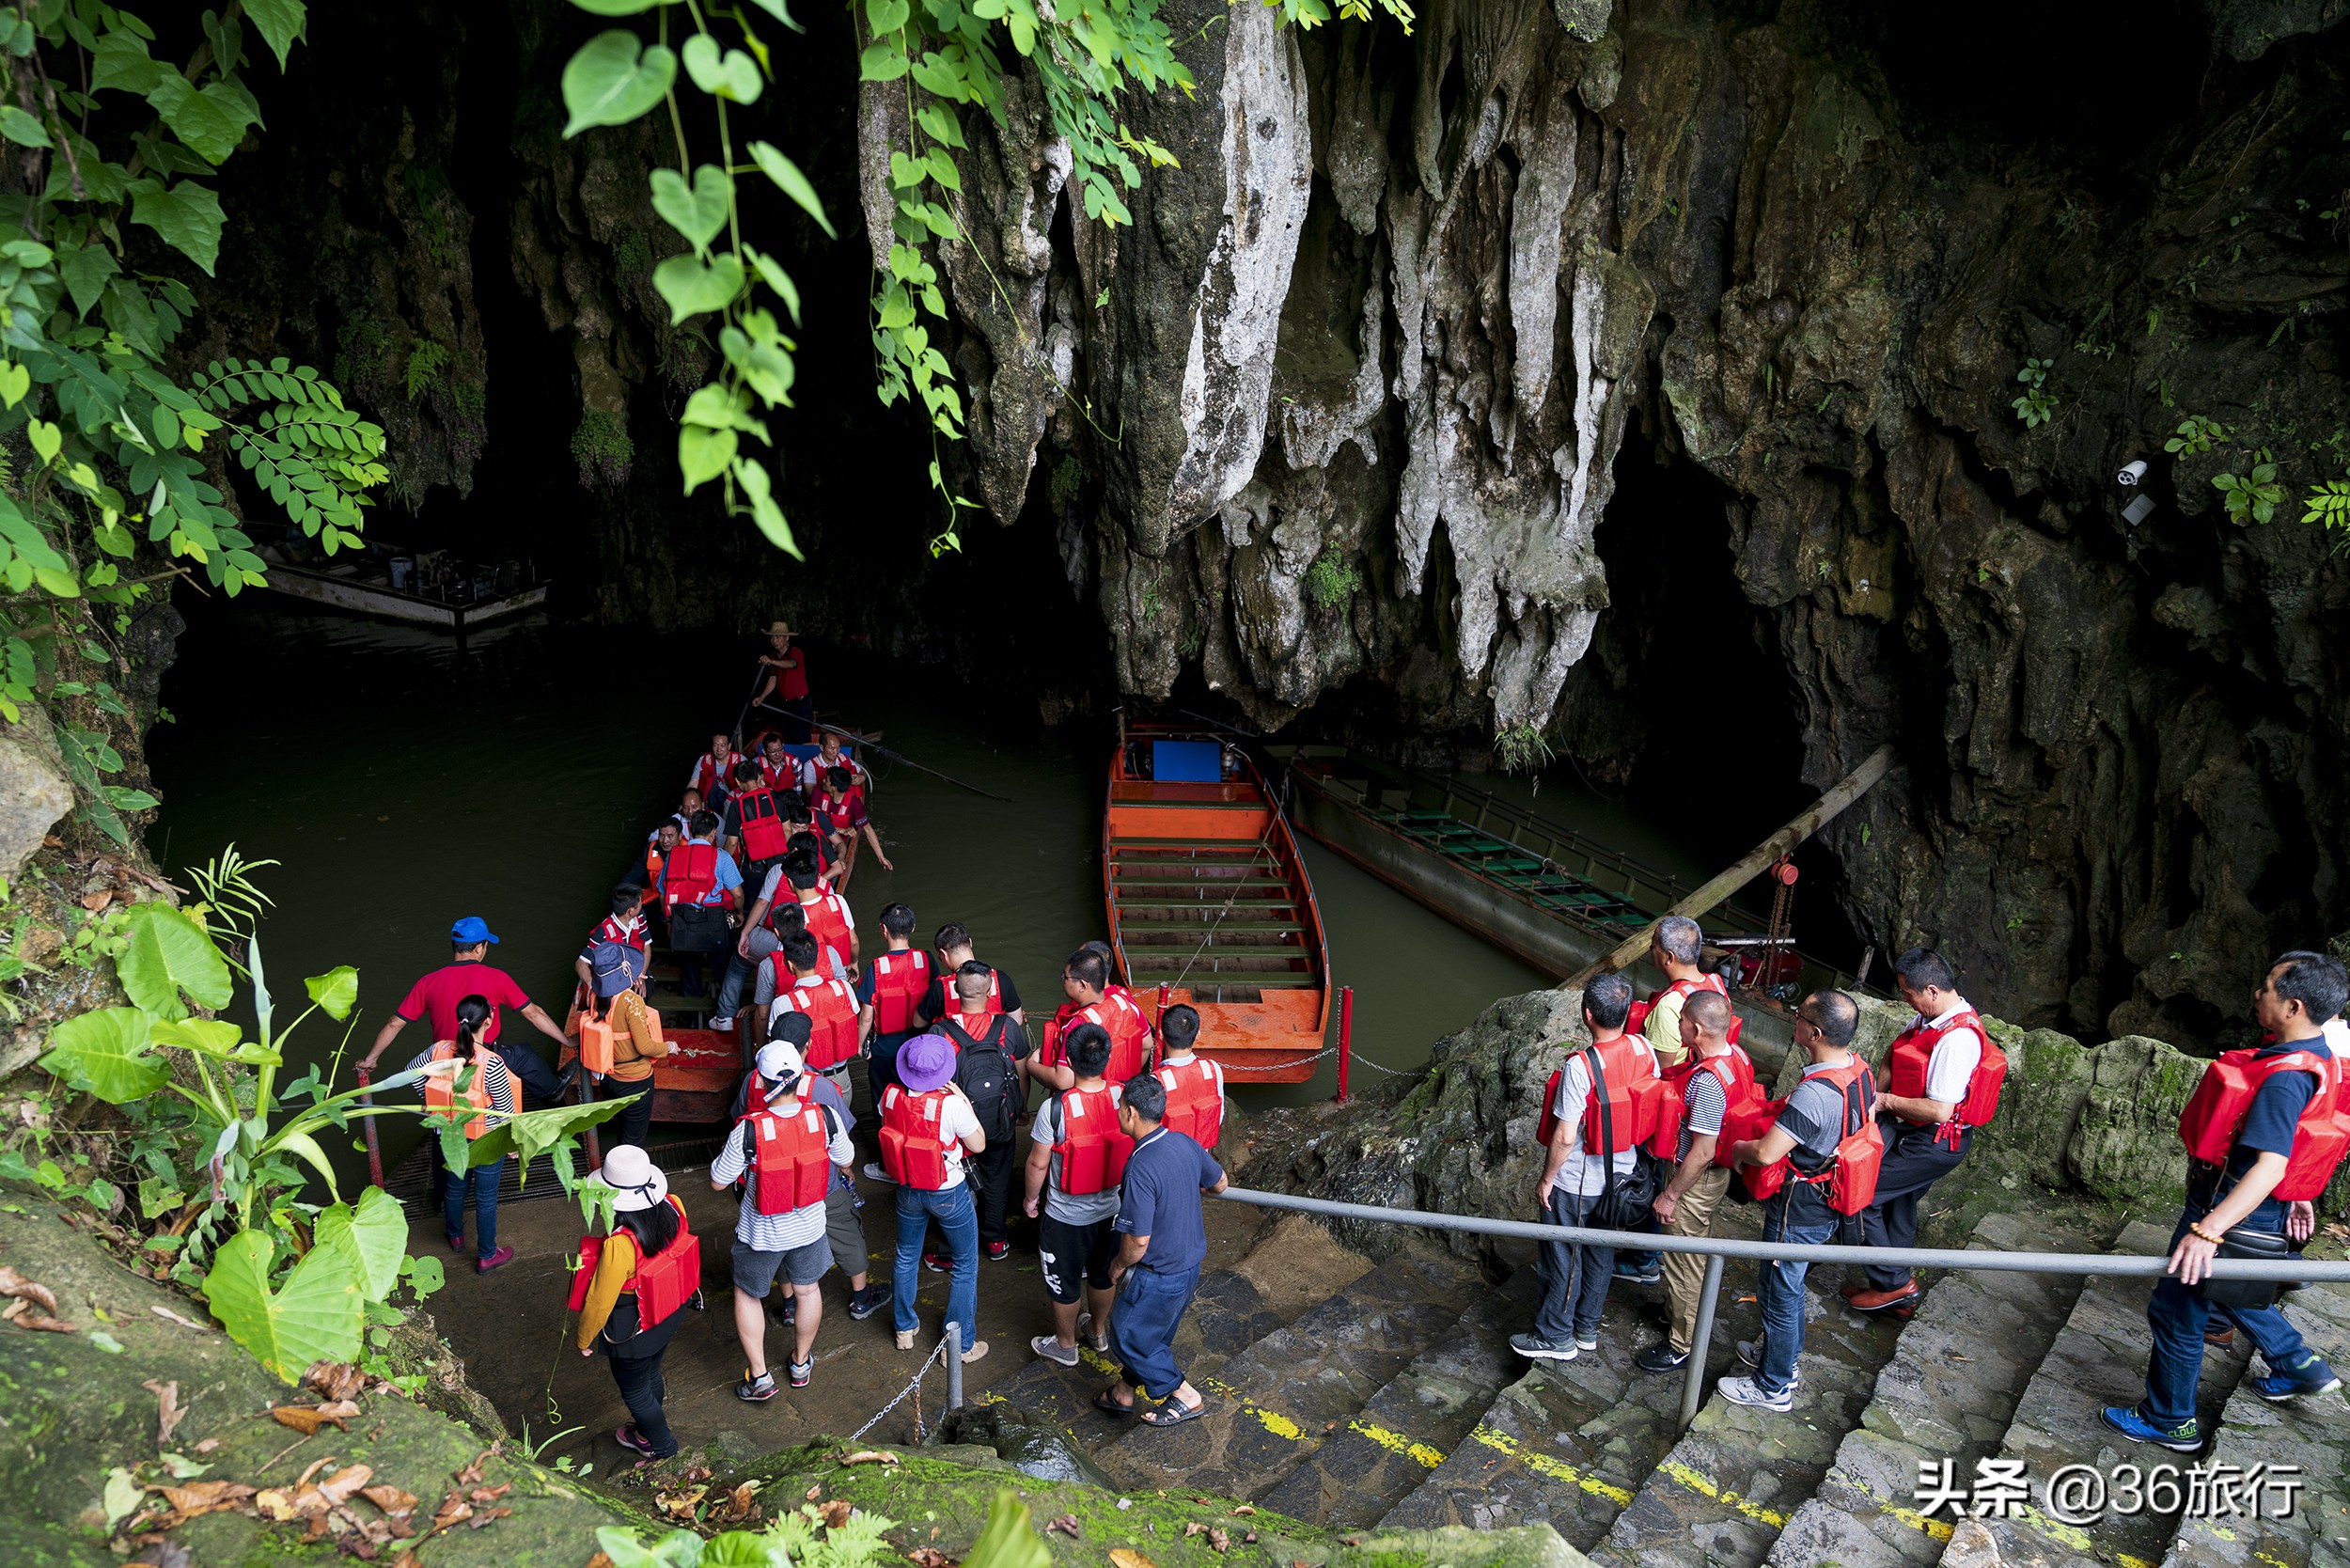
(1717, 1248)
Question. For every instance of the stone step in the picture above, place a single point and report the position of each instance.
(1410, 1426)
(1721, 1496)
(1948, 1393)
(2098, 1359)
(1566, 1443)
(1273, 1404)
(2312, 1436)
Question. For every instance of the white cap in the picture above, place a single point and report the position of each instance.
(630, 1170)
(780, 1062)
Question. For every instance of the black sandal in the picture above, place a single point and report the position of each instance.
(1172, 1413)
(1109, 1407)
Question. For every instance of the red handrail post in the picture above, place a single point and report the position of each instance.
(1346, 1037)
(375, 1150)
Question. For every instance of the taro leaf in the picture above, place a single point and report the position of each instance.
(679, 1548)
(692, 288)
(740, 1548)
(187, 216)
(698, 213)
(314, 1317)
(170, 953)
(1010, 1540)
(788, 178)
(105, 1053)
(533, 1133)
(613, 79)
(335, 991)
(212, 1037)
(376, 1234)
(282, 23)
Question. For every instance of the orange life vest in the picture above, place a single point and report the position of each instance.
(1743, 1102)
(1634, 1099)
(899, 981)
(440, 1091)
(793, 1155)
(913, 1137)
(1635, 1021)
(1851, 1174)
(1094, 1147)
(1195, 1100)
(661, 1283)
(832, 1013)
(599, 1040)
(2214, 1116)
(764, 835)
(692, 874)
(1913, 1050)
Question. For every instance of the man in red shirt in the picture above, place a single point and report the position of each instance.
(434, 997)
(785, 690)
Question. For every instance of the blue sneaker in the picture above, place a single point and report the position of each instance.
(2279, 1388)
(1636, 1274)
(2187, 1437)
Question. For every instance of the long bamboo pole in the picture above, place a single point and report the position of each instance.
(1749, 866)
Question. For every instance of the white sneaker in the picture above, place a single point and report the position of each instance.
(722, 1023)
(875, 1172)
(1744, 1390)
(1053, 1351)
(1583, 1343)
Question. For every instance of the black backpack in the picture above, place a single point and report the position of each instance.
(984, 1072)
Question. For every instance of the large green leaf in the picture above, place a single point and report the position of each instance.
(730, 74)
(170, 953)
(187, 216)
(376, 1234)
(213, 1037)
(692, 288)
(788, 180)
(1010, 1540)
(211, 119)
(85, 270)
(702, 454)
(335, 991)
(120, 60)
(314, 1317)
(613, 79)
(698, 213)
(281, 22)
(105, 1053)
(534, 1133)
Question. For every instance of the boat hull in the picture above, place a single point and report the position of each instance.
(384, 604)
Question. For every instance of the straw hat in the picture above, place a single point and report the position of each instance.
(630, 1172)
(779, 629)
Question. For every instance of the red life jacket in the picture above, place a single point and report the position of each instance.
(832, 1013)
(1635, 1099)
(1635, 1021)
(913, 1142)
(838, 810)
(1093, 1148)
(793, 1155)
(1851, 1174)
(691, 873)
(1128, 1029)
(713, 779)
(1195, 1100)
(661, 1283)
(827, 920)
(764, 835)
(1742, 1101)
(440, 1091)
(899, 981)
(948, 1002)
(635, 933)
(785, 775)
(1913, 1050)
(2216, 1112)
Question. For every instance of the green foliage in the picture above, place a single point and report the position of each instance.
(2196, 435)
(2251, 497)
(2037, 405)
(1333, 579)
(424, 366)
(2328, 504)
(602, 448)
(799, 1539)
(1520, 747)
(314, 1316)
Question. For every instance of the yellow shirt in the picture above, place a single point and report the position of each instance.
(616, 1265)
(1663, 1031)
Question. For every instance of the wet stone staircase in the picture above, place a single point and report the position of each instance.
(1394, 1401)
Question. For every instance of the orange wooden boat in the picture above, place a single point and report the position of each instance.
(1210, 903)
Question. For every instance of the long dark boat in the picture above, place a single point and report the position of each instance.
(1534, 888)
(1210, 903)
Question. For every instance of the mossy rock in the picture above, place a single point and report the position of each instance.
(939, 1498)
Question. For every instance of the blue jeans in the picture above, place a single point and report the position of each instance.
(1805, 1219)
(1142, 1327)
(2177, 1316)
(1575, 1279)
(740, 970)
(957, 1219)
(482, 1182)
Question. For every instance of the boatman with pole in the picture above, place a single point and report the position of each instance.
(434, 997)
(2264, 1131)
(785, 688)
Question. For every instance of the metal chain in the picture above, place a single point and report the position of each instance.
(939, 1357)
(1281, 1066)
(1390, 1072)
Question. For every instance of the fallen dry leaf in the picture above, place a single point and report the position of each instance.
(391, 1499)
(182, 1321)
(486, 1516)
(1122, 1556)
(45, 1324)
(343, 1483)
(869, 1456)
(682, 1503)
(13, 1283)
(1192, 1528)
(96, 902)
(307, 1418)
(163, 1554)
(208, 1445)
(168, 1414)
(408, 1559)
(201, 1496)
(815, 1492)
(835, 1512)
(1244, 1509)
(929, 1557)
(489, 1494)
(335, 1380)
(1217, 1540)
(454, 1510)
(13, 1310)
(312, 1468)
(471, 1474)
(1066, 1523)
(1250, 1539)
(599, 1560)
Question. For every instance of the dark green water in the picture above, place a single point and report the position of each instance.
(403, 783)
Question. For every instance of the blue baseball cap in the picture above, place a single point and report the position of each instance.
(472, 929)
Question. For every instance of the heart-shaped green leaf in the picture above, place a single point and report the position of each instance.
(335, 991)
(613, 79)
(105, 1053)
(733, 74)
(792, 182)
(314, 1317)
(210, 1036)
(15, 381)
(46, 438)
(883, 17)
(170, 953)
(702, 454)
(692, 288)
(281, 23)
(375, 1231)
(698, 212)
